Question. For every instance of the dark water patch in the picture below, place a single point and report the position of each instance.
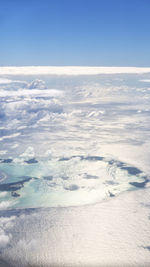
(72, 157)
(93, 158)
(146, 205)
(110, 182)
(64, 159)
(111, 194)
(31, 161)
(90, 158)
(138, 184)
(132, 170)
(117, 163)
(72, 187)
(48, 178)
(14, 194)
(120, 164)
(14, 186)
(64, 177)
(111, 162)
(88, 176)
(6, 160)
(147, 247)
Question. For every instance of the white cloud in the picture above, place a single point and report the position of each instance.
(3, 81)
(70, 70)
(27, 92)
(29, 153)
(23, 245)
(9, 136)
(37, 84)
(145, 81)
(4, 239)
(5, 204)
(3, 152)
(98, 120)
(6, 81)
(5, 224)
(3, 194)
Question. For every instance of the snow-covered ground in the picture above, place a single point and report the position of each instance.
(74, 166)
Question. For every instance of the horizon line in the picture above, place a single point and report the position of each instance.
(71, 70)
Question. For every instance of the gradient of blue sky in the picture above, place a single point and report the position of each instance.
(75, 32)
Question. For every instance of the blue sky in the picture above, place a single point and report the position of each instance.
(75, 32)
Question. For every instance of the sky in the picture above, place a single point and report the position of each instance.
(75, 32)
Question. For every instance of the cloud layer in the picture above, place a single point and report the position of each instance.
(70, 70)
(74, 140)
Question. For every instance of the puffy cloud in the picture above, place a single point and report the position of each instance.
(29, 153)
(5, 224)
(6, 204)
(27, 106)
(4, 239)
(98, 120)
(37, 84)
